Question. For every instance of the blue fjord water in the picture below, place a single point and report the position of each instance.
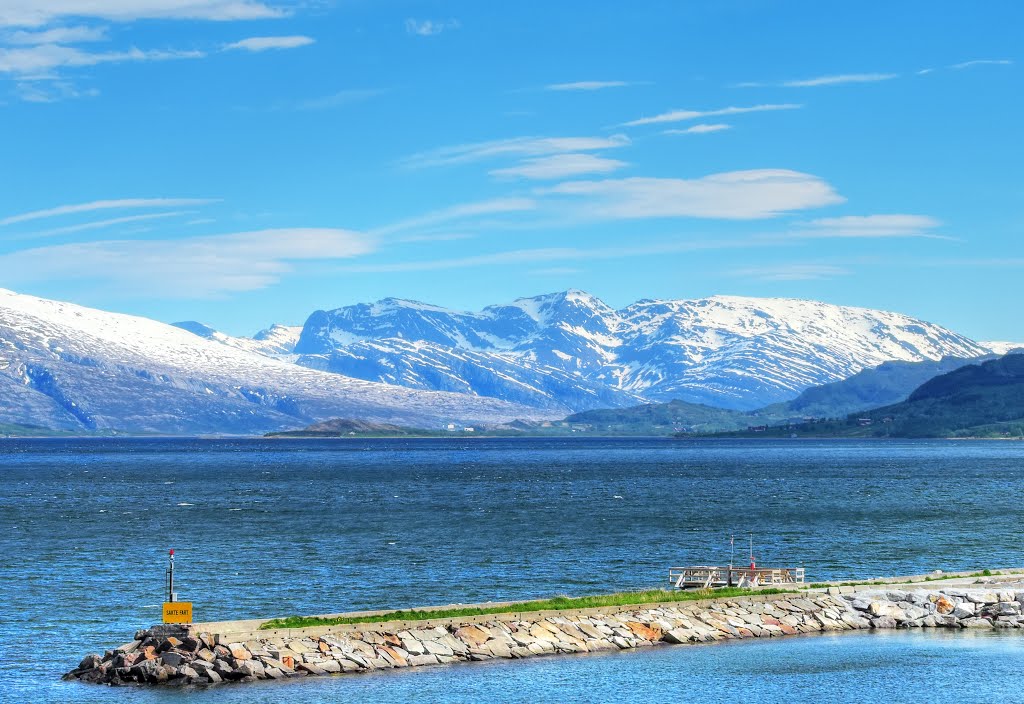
(281, 527)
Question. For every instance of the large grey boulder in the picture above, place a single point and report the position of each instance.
(883, 622)
(964, 610)
(680, 635)
(976, 623)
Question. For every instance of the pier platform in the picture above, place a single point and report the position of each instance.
(714, 577)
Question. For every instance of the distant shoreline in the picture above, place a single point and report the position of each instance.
(486, 436)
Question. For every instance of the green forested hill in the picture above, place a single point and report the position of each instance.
(668, 417)
(886, 384)
(977, 400)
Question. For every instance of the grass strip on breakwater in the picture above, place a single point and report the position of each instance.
(882, 581)
(560, 603)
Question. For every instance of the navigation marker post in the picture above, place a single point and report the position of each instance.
(175, 611)
(171, 596)
(732, 556)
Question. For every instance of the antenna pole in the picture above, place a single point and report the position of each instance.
(732, 557)
(170, 576)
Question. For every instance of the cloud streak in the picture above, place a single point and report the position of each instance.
(110, 222)
(46, 57)
(197, 267)
(57, 35)
(872, 226)
(981, 62)
(734, 195)
(549, 254)
(560, 166)
(348, 96)
(792, 272)
(702, 128)
(831, 80)
(459, 212)
(36, 13)
(92, 206)
(586, 85)
(255, 44)
(682, 115)
(515, 147)
(51, 91)
(430, 28)
(544, 254)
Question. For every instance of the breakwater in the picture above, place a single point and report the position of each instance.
(205, 654)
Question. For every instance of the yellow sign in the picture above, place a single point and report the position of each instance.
(177, 612)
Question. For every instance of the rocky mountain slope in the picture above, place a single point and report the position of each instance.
(570, 350)
(64, 366)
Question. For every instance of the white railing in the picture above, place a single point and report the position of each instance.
(709, 577)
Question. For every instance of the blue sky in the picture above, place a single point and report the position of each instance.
(243, 162)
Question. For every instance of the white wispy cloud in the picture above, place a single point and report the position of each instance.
(982, 62)
(78, 34)
(734, 195)
(560, 166)
(869, 226)
(347, 96)
(92, 206)
(792, 272)
(430, 28)
(587, 85)
(196, 267)
(459, 212)
(681, 115)
(51, 91)
(702, 128)
(36, 13)
(267, 43)
(515, 147)
(434, 237)
(831, 80)
(546, 254)
(40, 59)
(110, 222)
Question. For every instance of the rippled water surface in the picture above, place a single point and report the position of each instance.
(280, 527)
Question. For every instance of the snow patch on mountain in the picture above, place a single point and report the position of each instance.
(276, 341)
(1002, 347)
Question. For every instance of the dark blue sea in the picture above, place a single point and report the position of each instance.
(279, 527)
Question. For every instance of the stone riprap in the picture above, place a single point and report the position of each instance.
(171, 655)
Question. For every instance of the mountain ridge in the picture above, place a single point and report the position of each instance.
(570, 349)
(65, 366)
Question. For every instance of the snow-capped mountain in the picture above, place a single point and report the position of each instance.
(276, 341)
(66, 366)
(1002, 347)
(572, 350)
